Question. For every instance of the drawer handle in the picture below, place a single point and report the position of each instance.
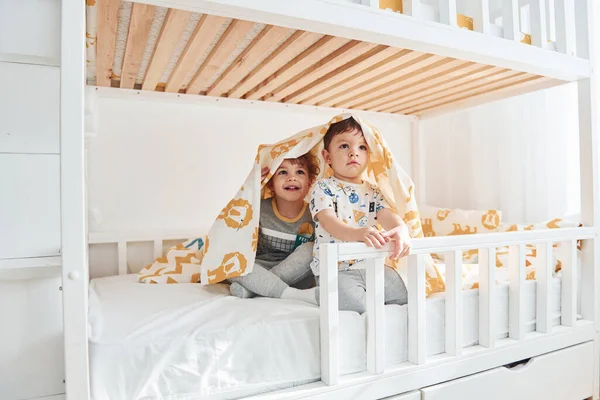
(519, 365)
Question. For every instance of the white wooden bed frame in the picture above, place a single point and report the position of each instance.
(362, 22)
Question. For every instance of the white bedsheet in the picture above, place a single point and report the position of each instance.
(183, 341)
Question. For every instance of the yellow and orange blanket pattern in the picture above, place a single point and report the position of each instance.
(233, 236)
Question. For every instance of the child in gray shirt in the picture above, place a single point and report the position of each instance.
(286, 235)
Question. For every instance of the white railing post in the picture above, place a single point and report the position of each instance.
(412, 8)
(328, 282)
(158, 248)
(416, 309)
(122, 257)
(448, 12)
(375, 315)
(516, 291)
(568, 299)
(544, 268)
(487, 288)
(454, 304)
(539, 32)
(481, 17)
(510, 18)
(564, 10)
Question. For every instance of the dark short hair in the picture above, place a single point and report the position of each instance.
(349, 124)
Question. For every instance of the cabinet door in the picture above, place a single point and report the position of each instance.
(31, 340)
(29, 108)
(29, 205)
(30, 28)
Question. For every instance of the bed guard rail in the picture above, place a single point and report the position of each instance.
(452, 248)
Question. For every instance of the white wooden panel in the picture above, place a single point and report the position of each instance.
(122, 257)
(516, 291)
(406, 396)
(481, 16)
(131, 137)
(454, 304)
(31, 342)
(550, 376)
(375, 316)
(487, 287)
(412, 8)
(448, 12)
(29, 108)
(539, 32)
(29, 205)
(73, 201)
(416, 310)
(31, 28)
(564, 11)
(330, 328)
(543, 276)
(510, 19)
(568, 299)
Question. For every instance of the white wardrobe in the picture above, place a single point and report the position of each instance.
(31, 340)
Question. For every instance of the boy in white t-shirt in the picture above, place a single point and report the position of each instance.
(347, 209)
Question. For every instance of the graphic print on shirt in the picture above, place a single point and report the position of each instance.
(355, 205)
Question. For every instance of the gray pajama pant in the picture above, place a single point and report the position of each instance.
(352, 289)
(271, 278)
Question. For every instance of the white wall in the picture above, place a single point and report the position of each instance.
(520, 155)
(162, 162)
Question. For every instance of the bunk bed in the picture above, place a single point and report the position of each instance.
(413, 57)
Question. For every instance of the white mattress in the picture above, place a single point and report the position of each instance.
(187, 340)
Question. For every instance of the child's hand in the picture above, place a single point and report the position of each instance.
(372, 237)
(401, 246)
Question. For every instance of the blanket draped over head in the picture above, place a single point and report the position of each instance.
(229, 249)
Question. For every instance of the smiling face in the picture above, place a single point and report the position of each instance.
(291, 182)
(348, 155)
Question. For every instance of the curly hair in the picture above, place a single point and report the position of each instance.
(308, 161)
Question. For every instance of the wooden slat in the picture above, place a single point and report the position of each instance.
(448, 12)
(481, 16)
(304, 60)
(569, 281)
(226, 45)
(487, 288)
(565, 26)
(386, 92)
(454, 304)
(465, 74)
(139, 27)
(336, 79)
(261, 45)
(543, 277)
(375, 316)
(122, 257)
(329, 321)
(416, 310)
(516, 292)
(333, 62)
(528, 85)
(170, 34)
(539, 33)
(510, 20)
(386, 73)
(108, 14)
(202, 37)
(293, 46)
(489, 77)
(507, 83)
